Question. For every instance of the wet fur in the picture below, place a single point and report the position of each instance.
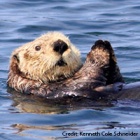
(93, 80)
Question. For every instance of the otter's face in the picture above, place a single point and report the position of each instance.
(50, 57)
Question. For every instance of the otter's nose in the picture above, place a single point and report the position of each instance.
(60, 46)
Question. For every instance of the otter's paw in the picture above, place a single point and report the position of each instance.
(102, 54)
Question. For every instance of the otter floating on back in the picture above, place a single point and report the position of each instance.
(50, 66)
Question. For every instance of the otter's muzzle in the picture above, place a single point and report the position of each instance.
(61, 62)
(60, 46)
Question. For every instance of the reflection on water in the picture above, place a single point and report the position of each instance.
(32, 118)
(49, 116)
(33, 104)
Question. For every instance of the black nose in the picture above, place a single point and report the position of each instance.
(60, 46)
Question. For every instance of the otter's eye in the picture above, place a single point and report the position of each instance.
(37, 48)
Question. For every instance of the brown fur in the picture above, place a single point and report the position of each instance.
(92, 78)
(111, 69)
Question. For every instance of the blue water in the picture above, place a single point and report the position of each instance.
(30, 118)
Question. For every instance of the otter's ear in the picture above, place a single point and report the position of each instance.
(16, 57)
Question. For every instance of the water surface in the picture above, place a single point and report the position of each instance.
(30, 118)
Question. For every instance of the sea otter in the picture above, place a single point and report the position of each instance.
(50, 66)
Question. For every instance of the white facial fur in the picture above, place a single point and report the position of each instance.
(37, 59)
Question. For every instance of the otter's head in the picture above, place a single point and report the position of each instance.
(50, 57)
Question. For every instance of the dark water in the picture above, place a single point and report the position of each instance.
(84, 22)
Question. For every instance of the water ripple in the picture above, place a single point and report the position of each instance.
(84, 22)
